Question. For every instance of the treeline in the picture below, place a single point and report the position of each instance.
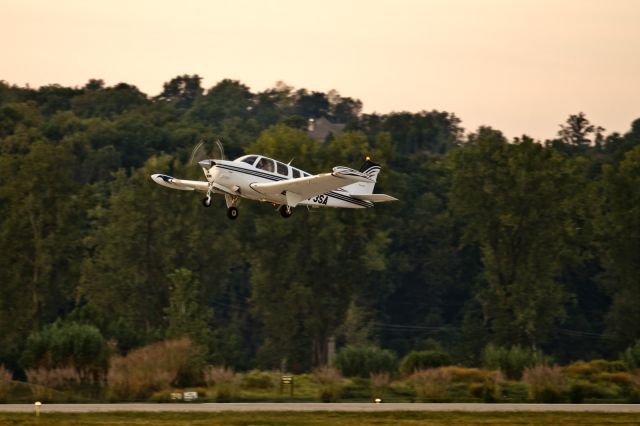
(520, 243)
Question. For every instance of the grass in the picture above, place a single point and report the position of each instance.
(320, 418)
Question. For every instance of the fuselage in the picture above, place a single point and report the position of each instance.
(241, 174)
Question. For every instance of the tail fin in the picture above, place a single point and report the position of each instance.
(370, 169)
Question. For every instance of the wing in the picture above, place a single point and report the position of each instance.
(183, 185)
(297, 190)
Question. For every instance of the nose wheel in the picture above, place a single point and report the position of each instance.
(286, 211)
(232, 213)
(206, 201)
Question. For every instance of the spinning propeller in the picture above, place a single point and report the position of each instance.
(205, 153)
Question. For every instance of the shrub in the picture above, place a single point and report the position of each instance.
(545, 383)
(511, 361)
(379, 384)
(151, 368)
(582, 369)
(329, 380)
(431, 384)
(61, 345)
(5, 382)
(361, 361)
(256, 379)
(579, 390)
(422, 360)
(489, 389)
(603, 365)
(631, 356)
(223, 380)
(463, 374)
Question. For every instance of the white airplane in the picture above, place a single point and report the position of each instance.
(260, 178)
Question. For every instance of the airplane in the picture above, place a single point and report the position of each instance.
(260, 178)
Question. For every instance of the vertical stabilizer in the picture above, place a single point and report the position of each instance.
(370, 169)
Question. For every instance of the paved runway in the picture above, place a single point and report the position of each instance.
(347, 406)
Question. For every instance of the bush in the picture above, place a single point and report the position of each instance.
(256, 379)
(379, 384)
(68, 345)
(546, 384)
(422, 360)
(631, 356)
(223, 380)
(587, 370)
(463, 374)
(361, 361)
(330, 383)
(5, 382)
(511, 361)
(431, 384)
(490, 388)
(151, 368)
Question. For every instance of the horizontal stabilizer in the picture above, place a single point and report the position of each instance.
(376, 198)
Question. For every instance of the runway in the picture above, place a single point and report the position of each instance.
(334, 407)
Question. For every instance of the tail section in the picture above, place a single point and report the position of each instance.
(371, 170)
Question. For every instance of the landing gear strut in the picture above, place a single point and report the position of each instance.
(286, 211)
(232, 213)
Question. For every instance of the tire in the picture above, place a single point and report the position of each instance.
(206, 201)
(232, 213)
(286, 212)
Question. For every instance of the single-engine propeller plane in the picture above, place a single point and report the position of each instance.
(261, 178)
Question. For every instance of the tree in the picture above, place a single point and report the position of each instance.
(620, 234)
(132, 250)
(186, 314)
(43, 225)
(181, 91)
(517, 203)
(577, 129)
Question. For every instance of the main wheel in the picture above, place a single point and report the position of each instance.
(286, 211)
(232, 213)
(206, 201)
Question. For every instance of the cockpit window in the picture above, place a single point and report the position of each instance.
(296, 173)
(282, 169)
(250, 159)
(265, 164)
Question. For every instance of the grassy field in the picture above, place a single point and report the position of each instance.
(316, 418)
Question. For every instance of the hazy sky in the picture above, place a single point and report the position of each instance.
(521, 66)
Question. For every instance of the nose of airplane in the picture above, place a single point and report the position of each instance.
(206, 164)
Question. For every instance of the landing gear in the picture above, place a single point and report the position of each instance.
(286, 211)
(206, 201)
(232, 213)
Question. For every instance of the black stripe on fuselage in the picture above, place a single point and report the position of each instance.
(333, 194)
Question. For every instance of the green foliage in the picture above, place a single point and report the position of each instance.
(79, 347)
(186, 315)
(421, 360)
(512, 361)
(363, 361)
(631, 356)
(518, 204)
(494, 240)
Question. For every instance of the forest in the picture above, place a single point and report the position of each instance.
(494, 242)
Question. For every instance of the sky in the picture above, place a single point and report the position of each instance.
(519, 66)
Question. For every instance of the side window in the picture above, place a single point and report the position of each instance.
(250, 160)
(305, 174)
(282, 169)
(296, 173)
(265, 164)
